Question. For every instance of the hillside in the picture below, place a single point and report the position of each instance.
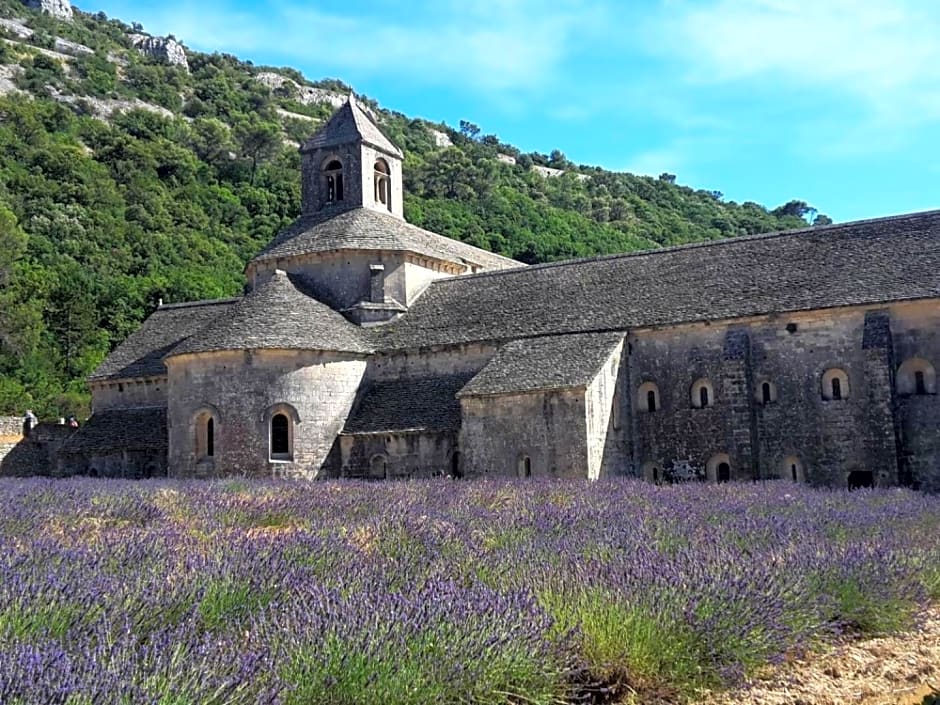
(133, 170)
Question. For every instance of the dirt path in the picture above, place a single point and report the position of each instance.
(897, 670)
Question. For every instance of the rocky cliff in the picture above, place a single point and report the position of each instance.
(61, 9)
(164, 49)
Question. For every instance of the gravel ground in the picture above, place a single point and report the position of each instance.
(898, 670)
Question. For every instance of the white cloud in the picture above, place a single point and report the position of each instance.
(488, 45)
(885, 55)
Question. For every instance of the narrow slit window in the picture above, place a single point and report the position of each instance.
(920, 383)
(651, 400)
(765, 392)
(836, 388)
(703, 396)
(280, 435)
(210, 437)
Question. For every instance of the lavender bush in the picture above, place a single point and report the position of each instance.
(438, 592)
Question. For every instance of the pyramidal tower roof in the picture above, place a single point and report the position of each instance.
(351, 123)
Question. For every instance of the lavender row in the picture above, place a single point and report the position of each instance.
(437, 592)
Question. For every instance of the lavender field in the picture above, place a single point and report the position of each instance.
(438, 592)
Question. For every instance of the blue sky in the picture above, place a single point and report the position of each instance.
(835, 102)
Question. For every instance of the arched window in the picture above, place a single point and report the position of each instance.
(916, 376)
(652, 471)
(792, 469)
(647, 397)
(718, 468)
(524, 468)
(205, 435)
(333, 177)
(767, 392)
(835, 385)
(703, 394)
(724, 472)
(378, 467)
(281, 433)
(383, 183)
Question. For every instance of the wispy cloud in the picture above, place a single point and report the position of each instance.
(885, 55)
(489, 46)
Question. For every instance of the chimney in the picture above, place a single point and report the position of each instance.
(377, 283)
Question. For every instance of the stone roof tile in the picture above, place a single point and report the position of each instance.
(142, 353)
(351, 124)
(860, 263)
(118, 430)
(536, 364)
(279, 314)
(422, 404)
(366, 229)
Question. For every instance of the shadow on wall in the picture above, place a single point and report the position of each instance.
(30, 451)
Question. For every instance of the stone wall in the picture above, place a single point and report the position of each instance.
(11, 434)
(915, 331)
(358, 162)
(32, 454)
(398, 456)
(128, 393)
(549, 428)
(458, 359)
(242, 390)
(345, 278)
(607, 442)
(869, 430)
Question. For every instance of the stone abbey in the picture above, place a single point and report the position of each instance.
(366, 347)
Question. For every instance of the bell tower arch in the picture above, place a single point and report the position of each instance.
(349, 163)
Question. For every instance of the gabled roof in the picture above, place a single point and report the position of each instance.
(278, 315)
(351, 124)
(860, 263)
(120, 429)
(142, 353)
(422, 404)
(366, 229)
(538, 364)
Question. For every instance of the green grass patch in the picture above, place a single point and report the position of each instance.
(230, 600)
(627, 644)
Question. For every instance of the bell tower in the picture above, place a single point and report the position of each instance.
(349, 163)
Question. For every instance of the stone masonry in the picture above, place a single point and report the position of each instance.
(367, 347)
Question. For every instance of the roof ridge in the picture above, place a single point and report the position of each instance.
(349, 222)
(200, 302)
(726, 241)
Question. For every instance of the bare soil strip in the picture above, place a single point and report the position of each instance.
(898, 670)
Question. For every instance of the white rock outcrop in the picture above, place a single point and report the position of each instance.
(64, 46)
(60, 9)
(305, 95)
(163, 49)
(7, 79)
(505, 158)
(441, 139)
(16, 27)
(547, 171)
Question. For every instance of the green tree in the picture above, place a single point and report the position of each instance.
(259, 141)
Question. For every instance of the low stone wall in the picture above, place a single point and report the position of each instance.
(32, 454)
